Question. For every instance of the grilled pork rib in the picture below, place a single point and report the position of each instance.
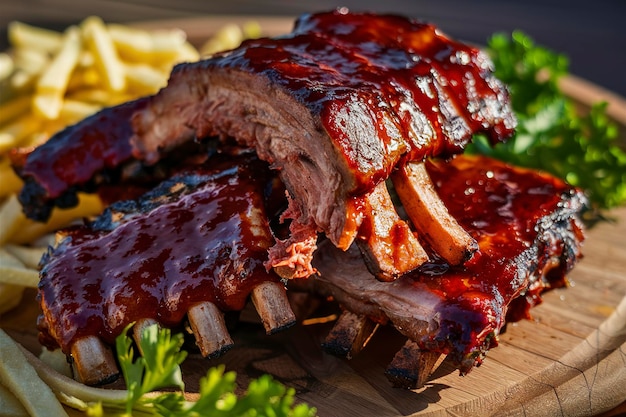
(199, 238)
(529, 236)
(334, 106)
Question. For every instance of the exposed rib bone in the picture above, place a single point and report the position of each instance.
(209, 328)
(411, 367)
(139, 328)
(94, 361)
(349, 335)
(389, 246)
(430, 216)
(271, 302)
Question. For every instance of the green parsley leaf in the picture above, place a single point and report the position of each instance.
(158, 367)
(552, 135)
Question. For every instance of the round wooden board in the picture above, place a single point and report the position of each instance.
(569, 360)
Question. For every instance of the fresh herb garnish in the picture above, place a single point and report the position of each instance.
(552, 135)
(158, 367)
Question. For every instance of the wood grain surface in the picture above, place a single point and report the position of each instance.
(570, 360)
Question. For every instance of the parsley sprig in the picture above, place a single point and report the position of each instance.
(158, 367)
(552, 134)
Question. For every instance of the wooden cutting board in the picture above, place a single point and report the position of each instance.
(569, 360)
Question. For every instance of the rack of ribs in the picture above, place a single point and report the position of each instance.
(340, 105)
(529, 235)
(188, 250)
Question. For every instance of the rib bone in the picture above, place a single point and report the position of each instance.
(411, 367)
(430, 216)
(271, 302)
(389, 246)
(349, 335)
(94, 361)
(209, 328)
(139, 328)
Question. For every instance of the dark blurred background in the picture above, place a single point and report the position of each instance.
(591, 33)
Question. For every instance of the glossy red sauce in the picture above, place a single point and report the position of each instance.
(505, 210)
(202, 246)
(418, 91)
(73, 155)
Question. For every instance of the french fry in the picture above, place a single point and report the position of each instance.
(14, 108)
(6, 66)
(26, 36)
(13, 134)
(228, 37)
(53, 82)
(29, 256)
(89, 205)
(21, 82)
(10, 297)
(11, 218)
(105, 56)
(10, 183)
(86, 78)
(19, 376)
(57, 360)
(71, 392)
(13, 271)
(10, 405)
(75, 110)
(31, 61)
(142, 79)
(140, 46)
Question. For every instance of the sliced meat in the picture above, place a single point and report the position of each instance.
(529, 236)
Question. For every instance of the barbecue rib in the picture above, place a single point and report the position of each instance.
(193, 247)
(335, 106)
(529, 236)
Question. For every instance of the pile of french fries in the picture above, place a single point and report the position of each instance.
(49, 80)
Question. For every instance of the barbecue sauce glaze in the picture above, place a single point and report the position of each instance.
(399, 86)
(383, 87)
(529, 237)
(201, 236)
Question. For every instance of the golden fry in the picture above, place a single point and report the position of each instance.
(89, 205)
(105, 56)
(19, 376)
(13, 271)
(144, 79)
(10, 297)
(27, 255)
(11, 218)
(228, 37)
(6, 66)
(25, 36)
(13, 134)
(10, 183)
(140, 46)
(74, 111)
(31, 61)
(14, 108)
(53, 82)
(10, 405)
(70, 391)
